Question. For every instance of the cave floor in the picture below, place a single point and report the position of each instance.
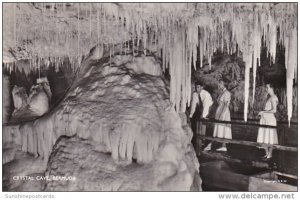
(241, 166)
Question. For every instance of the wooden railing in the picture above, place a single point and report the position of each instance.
(249, 143)
(207, 122)
(245, 136)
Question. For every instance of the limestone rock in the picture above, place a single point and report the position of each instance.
(38, 100)
(19, 97)
(124, 135)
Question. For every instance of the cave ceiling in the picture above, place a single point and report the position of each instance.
(177, 32)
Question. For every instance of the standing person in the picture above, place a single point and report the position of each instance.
(267, 117)
(202, 98)
(222, 114)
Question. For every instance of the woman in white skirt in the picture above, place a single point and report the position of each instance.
(267, 117)
(222, 114)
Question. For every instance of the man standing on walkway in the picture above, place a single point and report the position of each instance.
(201, 97)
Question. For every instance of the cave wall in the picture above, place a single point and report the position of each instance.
(60, 79)
(129, 137)
(6, 102)
(231, 69)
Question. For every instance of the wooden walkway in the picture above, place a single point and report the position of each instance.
(246, 125)
(212, 155)
(241, 137)
(248, 143)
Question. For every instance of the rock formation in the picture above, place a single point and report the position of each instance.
(115, 130)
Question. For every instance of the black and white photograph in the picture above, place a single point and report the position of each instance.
(150, 97)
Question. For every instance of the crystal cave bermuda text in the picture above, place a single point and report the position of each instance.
(44, 178)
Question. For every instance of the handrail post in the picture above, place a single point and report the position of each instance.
(198, 139)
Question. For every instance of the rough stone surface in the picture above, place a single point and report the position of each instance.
(94, 170)
(121, 118)
(231, 70)
(17, 172)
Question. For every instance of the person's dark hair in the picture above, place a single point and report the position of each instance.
(199, 83)
(271, 85)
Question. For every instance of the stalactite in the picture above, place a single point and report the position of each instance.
(90, 20)
(223, 32)
(56, 31)
(256, 53)
(98, 26)
(291, 66)
(11, 24)
(272, 39)
(78, 33)
(201, 52)
(248, 59)
(15, 25)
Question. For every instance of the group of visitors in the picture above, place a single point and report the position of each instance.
(223, 130)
